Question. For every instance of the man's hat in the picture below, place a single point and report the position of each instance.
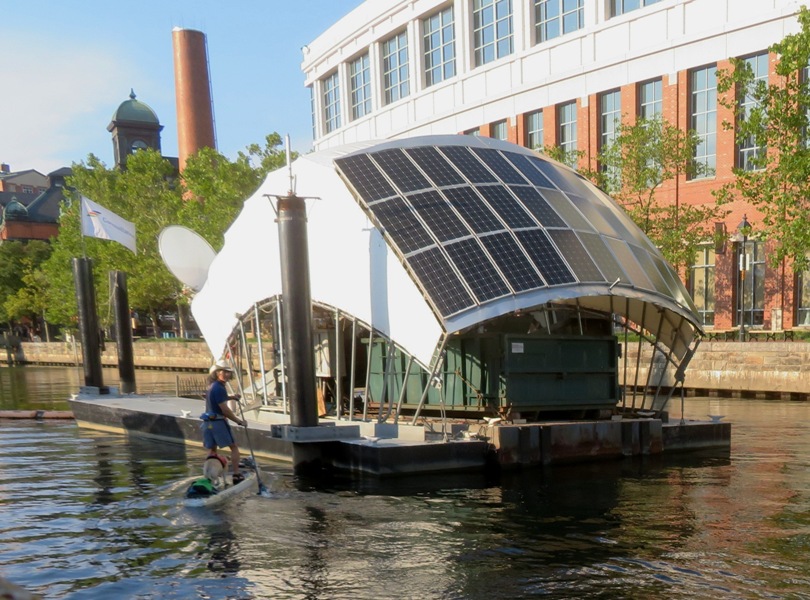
(220, 365)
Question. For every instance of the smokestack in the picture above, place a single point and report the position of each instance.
(195, 110)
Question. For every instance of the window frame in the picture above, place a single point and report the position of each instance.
(534, 129)
(747, 150)
(395, 71)
(559, 21)
(657, 101)
(330, 93)
(707, 266)
(565, 143)
(444, 67)
(704, 95)
(493, 34)
(360, 86)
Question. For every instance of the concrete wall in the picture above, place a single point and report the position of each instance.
(738, 368)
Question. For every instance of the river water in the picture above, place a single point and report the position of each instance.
(92, 515)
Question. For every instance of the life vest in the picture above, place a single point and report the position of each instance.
(201, 488)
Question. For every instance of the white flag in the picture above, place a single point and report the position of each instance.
(98, 222)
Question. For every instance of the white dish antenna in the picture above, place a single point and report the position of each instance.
(186, 254)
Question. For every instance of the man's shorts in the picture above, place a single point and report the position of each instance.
(216, 433)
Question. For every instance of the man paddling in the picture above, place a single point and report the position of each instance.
(216, 430)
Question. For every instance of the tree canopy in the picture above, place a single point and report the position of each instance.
(774, 118)
(206, 198)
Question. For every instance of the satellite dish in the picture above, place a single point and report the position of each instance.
(186, 254)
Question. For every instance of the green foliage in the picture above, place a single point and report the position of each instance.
(19, 261)
(778, 186)
(632, 168)
(206, 199)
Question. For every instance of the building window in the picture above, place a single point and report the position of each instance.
(701, 284)
(27, 189)
(475, 132)
(492, 30)
(567, 131)
(649, 99)
(610, 117)
(703, 116)
(395, 67)
(748, 150)
(360, 78)
(440, 47)
(553, 18)
(331, 102)
(498, 130)
(534, 130)
(803, 298)
(751, 278)
(619, 7)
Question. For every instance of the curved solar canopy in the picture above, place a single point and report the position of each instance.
(430, 236)
(486, 227)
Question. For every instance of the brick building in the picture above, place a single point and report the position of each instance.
(560, 73)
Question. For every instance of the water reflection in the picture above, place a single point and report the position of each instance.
(91, 515)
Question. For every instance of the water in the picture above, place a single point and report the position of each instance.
(91, 515)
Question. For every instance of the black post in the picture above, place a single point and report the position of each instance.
(300, 361)
(123, 332)
(88, 323)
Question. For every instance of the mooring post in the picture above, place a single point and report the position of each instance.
(88, 323)
(123, 331)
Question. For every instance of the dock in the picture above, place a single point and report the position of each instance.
(370, 448)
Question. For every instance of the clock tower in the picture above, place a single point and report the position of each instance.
(134, 126)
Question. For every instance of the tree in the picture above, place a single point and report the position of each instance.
(775, 118)
(206, 199)
(632, 169)
(18, 262)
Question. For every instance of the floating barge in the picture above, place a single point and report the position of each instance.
(396, 449)
(478, 295)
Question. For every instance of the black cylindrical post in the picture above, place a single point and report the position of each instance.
(123, 331)
(88, 323)
(297, 317)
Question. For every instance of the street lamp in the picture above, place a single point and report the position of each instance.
(743, 228)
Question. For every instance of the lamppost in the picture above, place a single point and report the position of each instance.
(743, 228)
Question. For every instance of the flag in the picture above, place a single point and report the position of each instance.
(98, 222)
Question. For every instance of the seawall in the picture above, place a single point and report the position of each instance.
(768, 369)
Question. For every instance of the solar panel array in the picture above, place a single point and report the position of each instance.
(478, 224)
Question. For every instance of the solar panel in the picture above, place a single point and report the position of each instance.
(603, 257)
(545, 256)
(477, 269)
(630, 264)
(441, 283)
(532, 173)
(509, 209)
(651, 270)
(595, 217)
(401, 170)
(512, 261)
(365, 177)
(576, 255)
(567, 181)
(477, 224)
(541, 209)
(400, 222)
(435, 165)
(563, 207)
(473, 209)
(505, 171)
(440, 217)
(468, 164)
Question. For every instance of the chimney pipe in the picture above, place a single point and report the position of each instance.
(195, 110)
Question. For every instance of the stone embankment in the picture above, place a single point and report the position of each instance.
(767, 369)
(748, 369)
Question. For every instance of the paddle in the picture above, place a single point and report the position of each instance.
(262, 488)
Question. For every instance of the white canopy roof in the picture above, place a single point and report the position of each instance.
(435, 234)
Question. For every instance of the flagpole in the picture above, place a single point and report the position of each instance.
(81, 225)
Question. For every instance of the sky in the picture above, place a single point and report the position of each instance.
(65, 67)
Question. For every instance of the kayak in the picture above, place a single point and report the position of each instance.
(223, 494)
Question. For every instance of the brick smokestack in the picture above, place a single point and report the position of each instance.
(195, 109)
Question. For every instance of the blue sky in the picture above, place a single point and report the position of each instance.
(66, 66)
